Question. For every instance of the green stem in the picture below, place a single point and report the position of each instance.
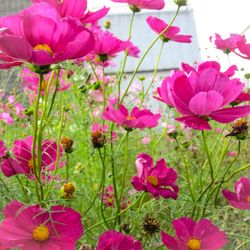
(146, 52)
(154, 75)
(208, 155)
(114, 217)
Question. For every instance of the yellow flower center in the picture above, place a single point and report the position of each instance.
(130, 118)
(30, 163)
(153, 180)
(194, 244)
(41, 233)
(69, 188)
(248, 198)
(43, 47)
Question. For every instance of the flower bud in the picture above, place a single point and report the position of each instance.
(181, 2)
(68, 190)
(107, 24)
(67, 144)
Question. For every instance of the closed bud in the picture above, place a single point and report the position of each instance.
(181, 2)
(142, 78)
(107, 24)
(68, 190)
(67, 144)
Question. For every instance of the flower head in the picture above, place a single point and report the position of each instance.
(76, 9)
(137, 5)
(135, 119)
(241, 198)
(33, 227)
(191, 235)
(158, 180)
(113, 240)
(48, 40)
(201, 95)
(171, 34)
(243, 50)
(229, 44)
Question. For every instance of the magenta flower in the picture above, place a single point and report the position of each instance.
(22, 163)
(77, 9)
(143, 4)
(241, 198)
(30, 80)
(113, 240)
(171, 34)
(158, 180)
(229, 44)
(191, 235)
(7, 62)
(48, 40)
(33, 227)
(244, 50)
(141, 119)
(133, 50)
(3, 150)
(106, 47)
(201, 95)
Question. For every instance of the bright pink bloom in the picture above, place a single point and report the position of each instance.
(7, 62)
(244, 49)
(145, 140)
(22, 162)
(158, 180)
(33, 227)
(48, 40)
(228, 44)
(136, 119)
(191, 235)
(77, 9)
(98, 129)
(200, 95)
(30, 80)
(113, 240)
(133, 50)
(241, 198)
(106, 47)
(3, 150)
(144, 4)
(6, 117)
(171, 34)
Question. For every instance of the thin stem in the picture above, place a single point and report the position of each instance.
(154, 75)
(146, 52)
(208, 155)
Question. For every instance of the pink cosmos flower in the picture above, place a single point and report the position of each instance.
(228, 44)
(22, 162)
(106, 47)
(77, 9)
(145, 140)
(30, 80)
(136, 119)
(133, 50)
(244, 50)
(3, 150)
(113, 240)
(33, 227)
(191, 235)
(158, 180)
(143, 4)
(6, 117)
(52, 44)
(7, 62)
(171, 34)
(200, 95)
(241, 198)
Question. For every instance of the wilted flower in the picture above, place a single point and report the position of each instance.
(200, 95)
(68, 190)
(113, 240)
(151, 225)
(171, 34)
(32, 227)
(158, 180)
(191, 235)
(241, 198)
(67, 144)
(135, 119)
(240, 129)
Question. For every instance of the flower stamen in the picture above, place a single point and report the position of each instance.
(43, 47)
(41, 233)
(153, 180)
(194, 244)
